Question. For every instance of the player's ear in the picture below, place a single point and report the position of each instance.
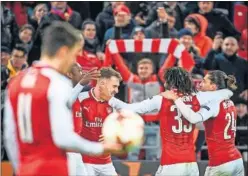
(69, 75)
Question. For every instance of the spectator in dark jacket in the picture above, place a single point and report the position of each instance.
(122, 16)
(60, 11)
(226, 60)
(40, 10)
(152, 16)
(217, 21)
(166, 19)
(105, 19)
(25, 37)
(9, 28)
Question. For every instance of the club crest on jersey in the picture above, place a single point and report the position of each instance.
(109, 110)
(78, 114)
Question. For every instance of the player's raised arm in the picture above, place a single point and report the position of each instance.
(218, 95)
(93, 74)
(10, 138)
(207, 111)
(62, 125)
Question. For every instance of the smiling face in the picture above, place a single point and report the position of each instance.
(230, 46)
(90, 31)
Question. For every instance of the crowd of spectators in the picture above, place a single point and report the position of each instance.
(214, 34)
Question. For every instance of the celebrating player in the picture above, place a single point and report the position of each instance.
(38, 120)
(76, 74)
(220, 125)
(178, 155)
(94, 112)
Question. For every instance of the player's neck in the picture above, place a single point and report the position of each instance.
(96, 92)
(54, 63)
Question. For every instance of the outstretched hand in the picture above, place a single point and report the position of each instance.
(92, 74)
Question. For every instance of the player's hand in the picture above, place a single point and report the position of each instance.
(104, 93)
(93, 74)
(113, 148)
(169, 94)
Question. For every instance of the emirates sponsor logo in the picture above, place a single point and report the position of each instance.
(97, 124)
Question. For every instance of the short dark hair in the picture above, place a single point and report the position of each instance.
(57, 35)
(108, 72)
(86, 22)
(180, 79)
(222, 80)
(194, 20)
(20, 47)
(27, 26)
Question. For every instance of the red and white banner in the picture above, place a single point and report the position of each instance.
(167, 46)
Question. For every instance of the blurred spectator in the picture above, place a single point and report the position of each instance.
(25, 37)
(9, 28)
(40, 10)
(5, 56)
(92, 44)
(243, 51)
(141, 86)
(122, 17)
(186, 38)
(217, 21)
(166, 19)
(226, 60)
(60, 11)
(82, 7)
(242, 120)
(18, 60)
(174, 6)
(105, 19)
(88, 59)
(198, 26)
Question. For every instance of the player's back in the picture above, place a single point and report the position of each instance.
(30, 94)
(220, 134)
(177, 132)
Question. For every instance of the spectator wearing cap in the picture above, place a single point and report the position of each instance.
(18, 60)
(163, 27)
(217, 21)
(198, 26)
(185, 38)
(122, 17)
(105, 19)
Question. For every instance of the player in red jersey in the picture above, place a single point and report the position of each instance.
(219, 119)
(38, 119)
(95, 112)
(75, 74)
(178, 155)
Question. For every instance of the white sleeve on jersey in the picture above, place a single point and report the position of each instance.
(219, 95)
(146, 106)
(75, 93)
(207, 111)
(10, 138)
(62, 122)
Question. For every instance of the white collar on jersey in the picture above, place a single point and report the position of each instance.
(93, 95)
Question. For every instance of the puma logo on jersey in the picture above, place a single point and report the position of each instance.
(87, 108)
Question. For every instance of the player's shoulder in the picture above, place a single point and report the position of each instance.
(84, 96)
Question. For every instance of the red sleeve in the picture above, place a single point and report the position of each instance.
(169, 62)
(187, 61)
(121, 66)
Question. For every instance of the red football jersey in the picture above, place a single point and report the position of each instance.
(94, 113)
(177, 133)
(220, 135)
(77, 117)
(30, 94)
